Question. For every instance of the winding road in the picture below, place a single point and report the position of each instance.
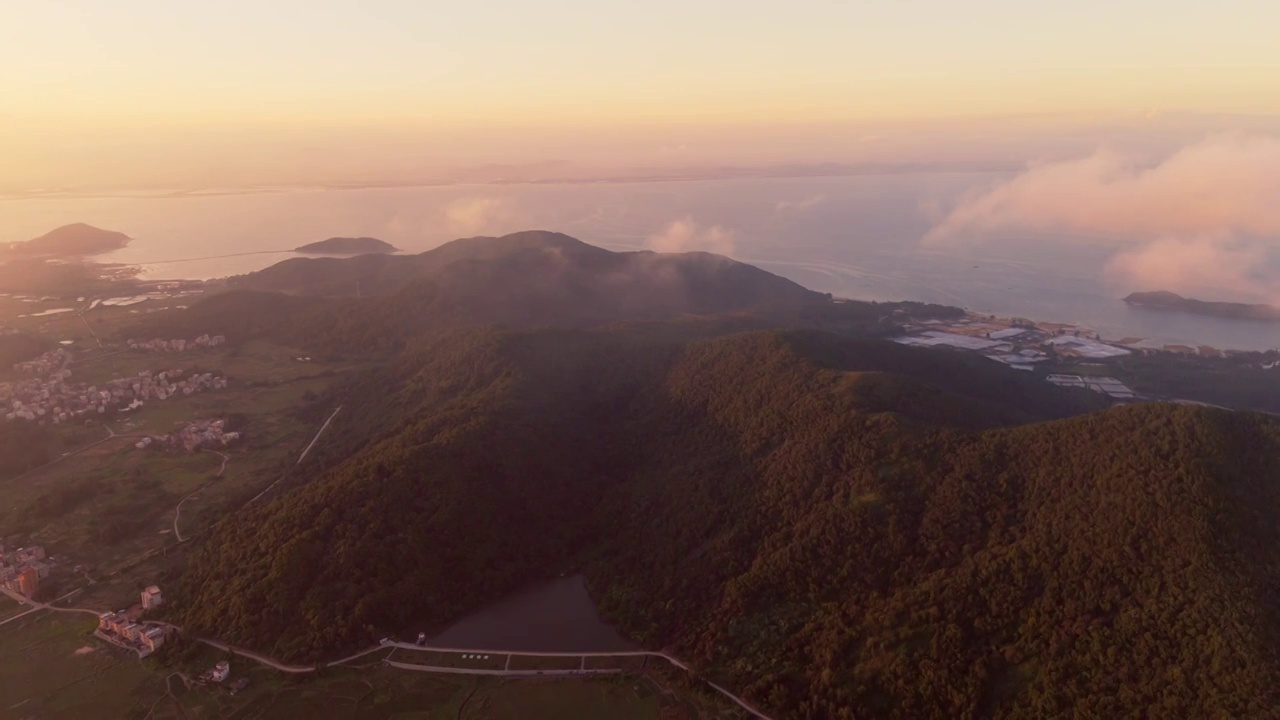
(301, 669)
(177, 513)
(385, 645)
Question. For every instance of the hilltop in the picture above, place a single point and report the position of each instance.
(749, 477)
(1162, 300)
(547, 254)
(73, 240)
(531, 279)
(820, 523)
(348, 246)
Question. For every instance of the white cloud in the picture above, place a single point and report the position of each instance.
(685, 235)
(479, 216)
(799, 206)
(1205, 215)
(1204, 267)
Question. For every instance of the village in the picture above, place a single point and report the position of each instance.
(1024, 345)
(50, 398)
(125, 628)
(22, 570)
(200, 435)
(158, 345)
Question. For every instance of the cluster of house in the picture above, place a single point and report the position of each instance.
(47, 364)
(1108, 386)
(157, 345)
(22, 570)
(56, 401)
(196, 436)
(123, 628)
(1019, 344)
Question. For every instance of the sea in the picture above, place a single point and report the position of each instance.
(857, 236)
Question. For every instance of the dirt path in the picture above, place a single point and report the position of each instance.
(177, 513)
(317, 437)
(314, 440)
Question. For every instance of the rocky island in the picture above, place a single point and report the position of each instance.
(1171, 301)
(75, 240)
(347, 246)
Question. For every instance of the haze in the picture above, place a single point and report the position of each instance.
(149, 93)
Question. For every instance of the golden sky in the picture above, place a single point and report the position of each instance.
(138, 91)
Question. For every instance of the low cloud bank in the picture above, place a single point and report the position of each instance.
(477, 216)
(685, 235)
(1205, 217)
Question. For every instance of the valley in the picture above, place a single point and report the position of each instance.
(765, 498)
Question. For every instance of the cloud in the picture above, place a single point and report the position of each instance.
(1204, 216)
(1204, 267)
(685, 235)
(799, 206)
(478, 215)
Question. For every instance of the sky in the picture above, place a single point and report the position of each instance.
(151, 92)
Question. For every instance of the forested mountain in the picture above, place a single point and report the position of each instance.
(1163, 300)
(531, 279)
(529, 259)
(834, 527)
(72, 240)
(347, 246)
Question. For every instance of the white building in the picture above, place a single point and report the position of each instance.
(151, 598)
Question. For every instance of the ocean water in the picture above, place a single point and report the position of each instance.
(857, 237)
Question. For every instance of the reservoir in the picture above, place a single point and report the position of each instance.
(557, 616)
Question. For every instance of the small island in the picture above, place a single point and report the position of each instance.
(1236, 311)
(75, 240)
(348, 246)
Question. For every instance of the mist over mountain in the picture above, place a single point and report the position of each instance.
(529, 279)
(828, 523)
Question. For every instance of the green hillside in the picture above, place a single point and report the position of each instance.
(821, 523)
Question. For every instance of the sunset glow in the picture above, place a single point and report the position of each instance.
(103, 92)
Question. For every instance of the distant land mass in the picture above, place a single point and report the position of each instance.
(348, 246)
(1163, 300)
(77, 239)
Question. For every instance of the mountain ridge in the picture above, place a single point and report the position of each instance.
(76, 239)
(1164, 300)
(348, 246)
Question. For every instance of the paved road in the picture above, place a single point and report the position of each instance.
(303, 669)
(516, 673)
(36, 607)
(271, 663)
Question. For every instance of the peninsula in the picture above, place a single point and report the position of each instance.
(1170, 301)
(348, 246)
(75, 240)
